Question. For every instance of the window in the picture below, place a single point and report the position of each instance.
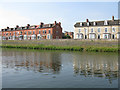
(105, 29)
(81, 24)
(45, 31)
(88, 24)
(56, 31)
(21, 32)
(78, 35)
(94, 23)
(39, 31)
(6, 33)
(14, 33)
(57, 37)
(33, 32)
(85, 31)
(48, 37)
(91, 30)
(79, 30)
(17, 33)
(49, 31)
(25, 32)
(113, 29)
(105, 22)
(10, 33)
(30, 32)
(98, 29)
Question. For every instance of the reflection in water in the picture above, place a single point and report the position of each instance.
(46, 62)
(96, 65)
(87, 64)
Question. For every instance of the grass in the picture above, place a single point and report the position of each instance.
(69, 48)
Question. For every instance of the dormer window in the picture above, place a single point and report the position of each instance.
(81, 24)
(2, 29)
(105, 22)
(15, 28)
(87, 23)
(94, 23)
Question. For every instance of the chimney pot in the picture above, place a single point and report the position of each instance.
(87, 20)
(60, 23)
(17, 26)
(41, 24)
(7, 27)
(113, 18)
(55, 23)
(28, 25)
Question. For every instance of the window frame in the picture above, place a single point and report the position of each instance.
(99, 30)
(113, 28)
(106, 30)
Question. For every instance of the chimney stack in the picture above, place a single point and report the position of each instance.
(55, 23)
(41, 24)
(87, 20)
(28, 25)
(113, 18)
(60, 23)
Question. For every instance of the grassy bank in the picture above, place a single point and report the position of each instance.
(64, 44)
(69, 48)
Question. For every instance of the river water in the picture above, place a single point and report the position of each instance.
(58, 69)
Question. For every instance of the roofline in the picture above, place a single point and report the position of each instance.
(99, 21)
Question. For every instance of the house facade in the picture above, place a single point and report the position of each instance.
(71, 34)
(107, 29)
(34, 32)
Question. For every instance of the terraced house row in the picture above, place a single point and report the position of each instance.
(42, 31)
(107, 29)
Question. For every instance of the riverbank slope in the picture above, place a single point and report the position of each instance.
(64, 44)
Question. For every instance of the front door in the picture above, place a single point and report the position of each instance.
(98, 36)
(85, 36)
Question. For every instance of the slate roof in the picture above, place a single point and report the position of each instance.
(29, 27)
(98, 23)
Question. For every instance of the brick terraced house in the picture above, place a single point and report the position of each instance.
(42, 31)
(107, 29)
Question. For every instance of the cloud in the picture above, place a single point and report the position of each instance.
(11, 19)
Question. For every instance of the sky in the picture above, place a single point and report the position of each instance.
(68, 13)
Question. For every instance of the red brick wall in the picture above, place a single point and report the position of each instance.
(57, 31)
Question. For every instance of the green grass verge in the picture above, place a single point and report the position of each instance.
(70, 48)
